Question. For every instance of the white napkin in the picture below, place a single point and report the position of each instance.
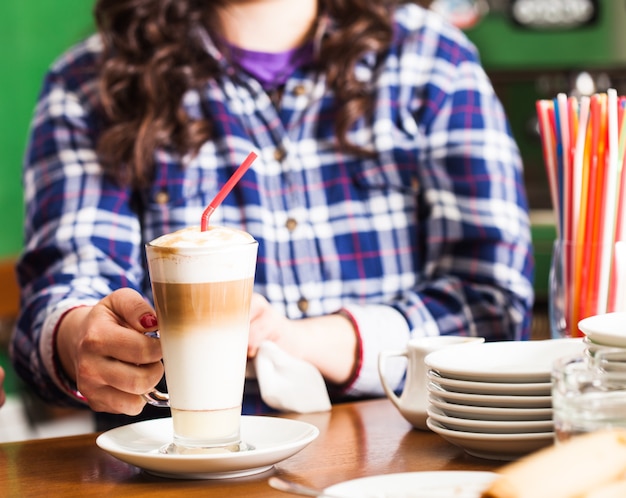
(289, 384)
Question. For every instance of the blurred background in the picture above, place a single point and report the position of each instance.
(531, 49)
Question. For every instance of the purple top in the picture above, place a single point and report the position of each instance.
(272, 69)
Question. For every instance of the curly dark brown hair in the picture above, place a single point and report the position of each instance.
(152, 56)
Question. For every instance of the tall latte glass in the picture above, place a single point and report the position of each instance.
(202, 284)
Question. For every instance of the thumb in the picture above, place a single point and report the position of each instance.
(132, 308)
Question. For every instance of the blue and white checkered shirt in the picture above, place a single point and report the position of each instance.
(430, 237)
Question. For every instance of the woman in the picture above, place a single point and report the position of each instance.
(387, 198)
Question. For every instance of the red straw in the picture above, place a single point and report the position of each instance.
(225, 190)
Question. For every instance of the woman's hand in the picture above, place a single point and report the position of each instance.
(329, 342)
(266, 324)
(105, 350)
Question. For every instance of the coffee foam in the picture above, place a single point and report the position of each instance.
(215, 236)
(177, 257)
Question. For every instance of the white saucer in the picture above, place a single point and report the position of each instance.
(493, 446)
(591, 347)
(608, 329)
(273, 439)
(490, 426)
(505, 361)
(475, 387)
(444, 484)
(490, 412)
(495, 400)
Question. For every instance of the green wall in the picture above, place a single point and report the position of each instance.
(32, 34)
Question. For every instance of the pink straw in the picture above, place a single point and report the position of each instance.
(225, 190)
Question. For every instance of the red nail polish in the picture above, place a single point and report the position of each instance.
(148, 321)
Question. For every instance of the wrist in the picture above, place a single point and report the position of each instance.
(65, 342)
(358, 348)
(331, 343)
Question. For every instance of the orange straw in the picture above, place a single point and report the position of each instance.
(596, 187)
(582, 167)
(225, 190)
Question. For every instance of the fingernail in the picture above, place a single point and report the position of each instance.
(148, 321)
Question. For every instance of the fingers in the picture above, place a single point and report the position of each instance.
(258, 328)
(120, 388)
(266, 324)
(105, 338)
(110, 324)
(115, 361)
(132, 308)
(258, 304)
(109, 400)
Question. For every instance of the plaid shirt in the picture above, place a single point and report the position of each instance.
(429, 237)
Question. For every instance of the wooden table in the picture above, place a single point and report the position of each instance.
(356, 440)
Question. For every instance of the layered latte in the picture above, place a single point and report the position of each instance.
(202, 284)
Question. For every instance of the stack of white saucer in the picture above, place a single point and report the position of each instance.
(494, 399)
(604, 332)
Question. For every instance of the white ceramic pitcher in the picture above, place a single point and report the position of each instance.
(413, 402)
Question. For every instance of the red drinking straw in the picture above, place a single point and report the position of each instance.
(225, 190)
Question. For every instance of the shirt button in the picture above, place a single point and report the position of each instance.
(279, 154)
(303, 305)
(299, 90)
(291, 224)
(415, 184)
(162, 197)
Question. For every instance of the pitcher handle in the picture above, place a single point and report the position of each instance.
(383, 356)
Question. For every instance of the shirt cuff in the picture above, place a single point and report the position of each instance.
(47, 350)
(379, 328)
